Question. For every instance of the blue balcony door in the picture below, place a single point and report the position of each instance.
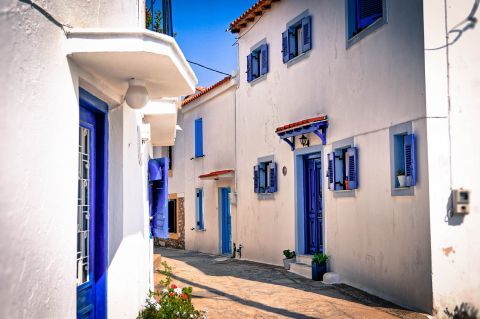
(91, 209)
(313, 204)
(226, 221)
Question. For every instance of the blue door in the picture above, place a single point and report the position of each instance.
(226, 221)
(91, 209)
(313, 204)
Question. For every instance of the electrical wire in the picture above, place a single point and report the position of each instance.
(206, 67)
(236, 41)
(47, 15)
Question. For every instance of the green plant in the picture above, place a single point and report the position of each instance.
(400, 172)
(289, 254)
(172, 302)
(319, 258)
(167, 271)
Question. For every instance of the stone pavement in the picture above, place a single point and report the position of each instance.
(229, 288)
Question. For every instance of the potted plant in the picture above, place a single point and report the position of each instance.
(289, 258)
(401, 178)
(319, 266)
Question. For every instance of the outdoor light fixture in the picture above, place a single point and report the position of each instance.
(137, 94)
(304, 141)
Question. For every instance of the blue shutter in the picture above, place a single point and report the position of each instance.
(272, 172)
(249, 68)
(307, 33)
(158, 194)
(410, 165)
(352, 167)
(292, 43)
(199, 209)
(285, 50)
(262, 180)
(367, 12)
(256, 179)
(264, 54)
(331, 171)
(198, 137)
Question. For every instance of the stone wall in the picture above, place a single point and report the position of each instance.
(176, 240)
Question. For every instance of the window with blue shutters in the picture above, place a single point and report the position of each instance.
(297, 39)
(199, 209)
(265, 176)
(342, 166)
(364, 16)
(403, 159)
(199, 138)
(257, 62)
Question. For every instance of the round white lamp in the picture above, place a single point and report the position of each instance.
(137, 94)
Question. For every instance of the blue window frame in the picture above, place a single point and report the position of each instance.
(403, 159)
(199, 137)
(199, 209)
(363, 17)
(265, 176)
(297, 39)
(257, 62)
(343, 166)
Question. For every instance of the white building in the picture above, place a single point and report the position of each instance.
(388, 97)
(74, 194)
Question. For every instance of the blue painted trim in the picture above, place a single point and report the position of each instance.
(345, 143)
(300, 196)
(319, 128)
(100, 109)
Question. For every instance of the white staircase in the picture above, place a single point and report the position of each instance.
(302, 266)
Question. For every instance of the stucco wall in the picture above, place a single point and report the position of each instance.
(38, 192)
(453, 83)
(217, 110)
(377, 242)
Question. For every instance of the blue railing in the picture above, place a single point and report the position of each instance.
(158, 16)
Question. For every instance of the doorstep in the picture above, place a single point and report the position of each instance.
(302, 266)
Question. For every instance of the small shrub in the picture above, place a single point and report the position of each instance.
(289, 254)
(319, 258)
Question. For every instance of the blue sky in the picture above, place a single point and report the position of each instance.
(200, 27)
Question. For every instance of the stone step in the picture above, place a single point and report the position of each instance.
(300, 269)
(304, 259)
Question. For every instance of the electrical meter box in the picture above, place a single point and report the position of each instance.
(461, 201)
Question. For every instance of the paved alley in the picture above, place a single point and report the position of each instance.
(229, 288)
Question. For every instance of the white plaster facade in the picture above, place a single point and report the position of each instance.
(39, 162)
(401, 248)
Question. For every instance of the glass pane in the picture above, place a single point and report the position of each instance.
(83, 209)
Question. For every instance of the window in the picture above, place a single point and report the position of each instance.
(257, 62)
(199, 209)
(343, 166)
(403, 159)
(363, 15)
(297, 39)
(199, 137)
(265, 176)
(172, 215)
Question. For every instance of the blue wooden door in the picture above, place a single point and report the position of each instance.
(313, 204)
(91, 212)
(226, 221)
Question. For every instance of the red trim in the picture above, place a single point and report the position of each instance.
(203, 91)
(301, 123)
(217, 173)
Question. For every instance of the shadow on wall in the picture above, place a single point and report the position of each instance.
(464, 311)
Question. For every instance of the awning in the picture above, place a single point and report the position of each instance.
(119, 55)
(317, 125)
(224, 174)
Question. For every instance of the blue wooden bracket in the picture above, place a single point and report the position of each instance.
(322, 135)
(291, 143)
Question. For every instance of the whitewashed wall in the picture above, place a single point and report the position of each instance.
(38, 167)
(377, 242)
(453, 104)
(217, 108)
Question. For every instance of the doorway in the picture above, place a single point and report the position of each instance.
(226, 221)
(313, 203)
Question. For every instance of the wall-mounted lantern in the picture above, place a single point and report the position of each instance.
(137, 94)
(304, 141)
